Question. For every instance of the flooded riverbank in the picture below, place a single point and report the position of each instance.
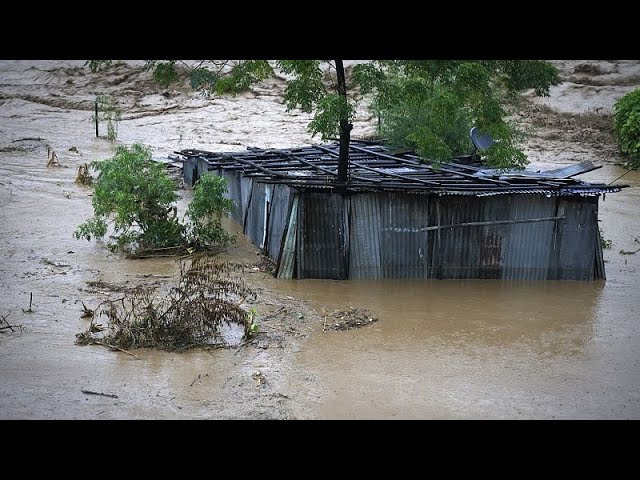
(441, 349)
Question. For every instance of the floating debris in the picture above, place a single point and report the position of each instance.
(348, 319)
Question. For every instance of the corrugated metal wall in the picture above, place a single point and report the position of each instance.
(322, 237)
(246, 186)
(391, 235)
(202, 166)
(456, 251)
(234, 193)
(256, 214)
(528, 247)
(494, 237)
(287, 260)
(278, 208)
(190, 171)
(578, 236)
(403, 248)
(365, 231)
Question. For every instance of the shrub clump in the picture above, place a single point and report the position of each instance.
(134, 195)
(626, 124)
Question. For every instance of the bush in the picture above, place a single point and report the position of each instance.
(435, 121)
(428, 118)
(137, 197)
(626, 124)
(206, 210)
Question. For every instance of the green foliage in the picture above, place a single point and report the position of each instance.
(308, 92)
(135, 195)
(626, 124)
(431, 105)
(192, 313)
(165, 73)
(206, 210)
(306, 88)
(330, 109)
(108, 112)
(213, 76)
(252, 322)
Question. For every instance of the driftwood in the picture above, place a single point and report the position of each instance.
(89, 392)
(194, 381)
(4, 319)
(87, 312)
(36, 139)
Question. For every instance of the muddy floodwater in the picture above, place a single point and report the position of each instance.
(470, 349)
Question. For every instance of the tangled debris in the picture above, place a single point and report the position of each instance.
(348, 319)
(52, 158)
(7, 324)
(84, 177)
(191, 314)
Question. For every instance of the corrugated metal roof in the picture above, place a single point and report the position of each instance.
(557, 173)
(376, 168)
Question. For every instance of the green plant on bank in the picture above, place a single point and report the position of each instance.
(206, 210)
(604, 243)
(135, 195)
(252, 324)
(108, 112)
(626, 124)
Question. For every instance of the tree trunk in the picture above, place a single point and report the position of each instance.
(345, 128)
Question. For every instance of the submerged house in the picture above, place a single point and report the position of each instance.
(399, 217)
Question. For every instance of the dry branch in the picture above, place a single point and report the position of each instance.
(191, 314)
(89, 392)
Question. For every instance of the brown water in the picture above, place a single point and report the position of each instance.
(442, 349)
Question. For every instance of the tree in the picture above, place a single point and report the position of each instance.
(134, 194)
(429, 105)
(307, 90)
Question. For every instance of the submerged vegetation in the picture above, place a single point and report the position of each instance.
(137, 199)
(206, 298)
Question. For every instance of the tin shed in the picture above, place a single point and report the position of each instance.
(401, 217)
